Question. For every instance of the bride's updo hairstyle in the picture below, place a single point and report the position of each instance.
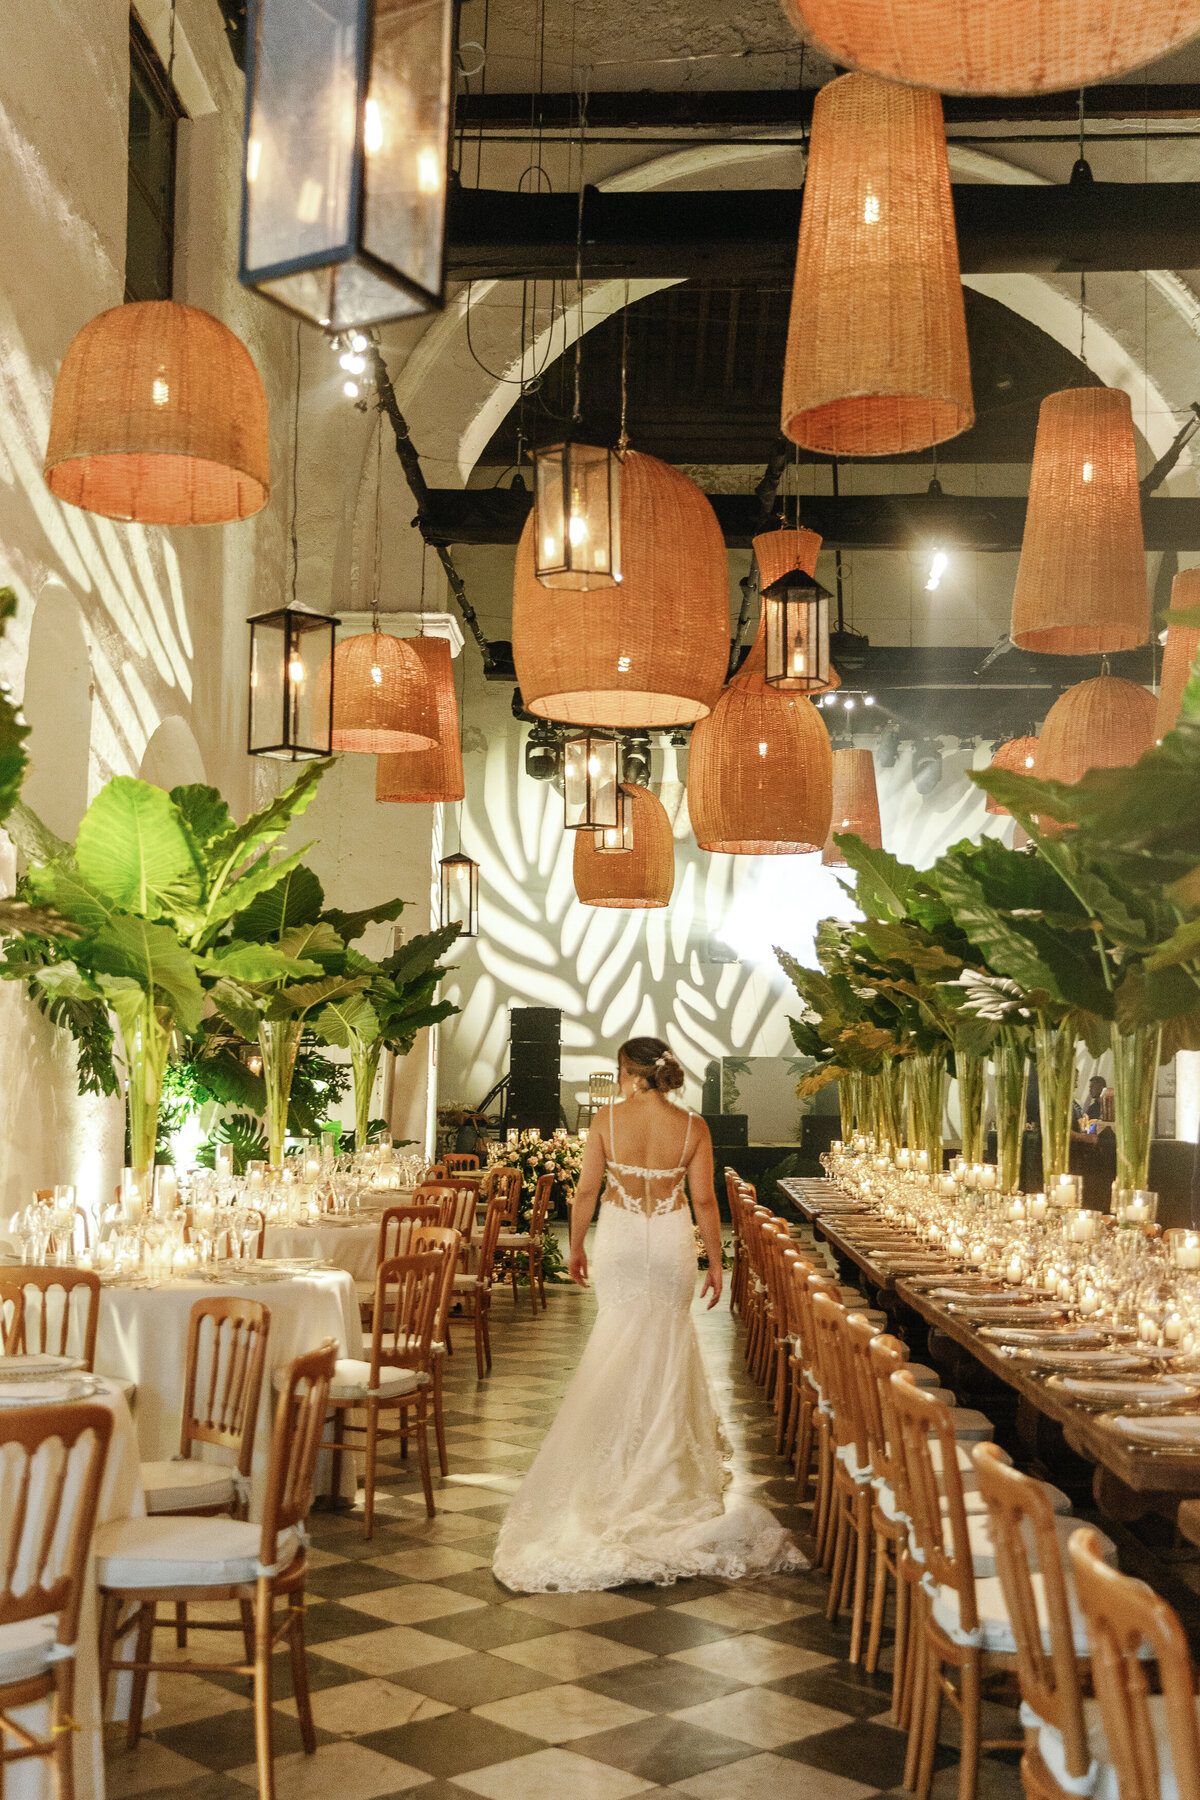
(650, 1060)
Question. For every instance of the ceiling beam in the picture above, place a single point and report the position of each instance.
(845, 522)
(726, 234)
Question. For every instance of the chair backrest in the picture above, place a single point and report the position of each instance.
(33, 1318)
(602, 1085)
(397, 1224)
(506, 1188)
(829, 1325)
(493, 1224)
(919, 1420)
(886, 1355)
(543, 1193)
(408, 1292)
(300, 1414)
(51, 1468)
(222, 1382)
(456, 1161)
(862, 1421)
(447, 1241)
(1125, 1618)
(45, 1197)
(1022, 1520)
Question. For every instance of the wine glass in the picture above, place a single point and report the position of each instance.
(248, 1228)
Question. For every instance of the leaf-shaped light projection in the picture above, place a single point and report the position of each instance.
(13, 730)
(295, 901)
(342, 1021)
(204, 813)
(351, 925)
(134, 849)
(140, 950)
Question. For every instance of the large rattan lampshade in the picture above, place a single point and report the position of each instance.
(1182, 647)
(995, 46)
(1019, 755)
(383, 698)
(159, 416)
(855, 804)
(1081, 581)
(760, 770)
(652, 651)
(437, 772)
(635, 879)
(876, 360)
(1107, 723)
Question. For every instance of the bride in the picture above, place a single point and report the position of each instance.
(629, 1482)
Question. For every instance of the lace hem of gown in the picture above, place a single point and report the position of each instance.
(743, 1540)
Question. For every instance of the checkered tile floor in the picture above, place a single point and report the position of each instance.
(430, 1678)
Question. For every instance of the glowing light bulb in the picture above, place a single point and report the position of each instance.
(593, 765)
(353, 363)
(850, 703)
(372, 128)
(871, 209)
(937, 569)
(460, 872)
(350, 389)
(549, 548)
(377, 676)
(160, 392)
(799, 661)
(1088, 471)
(622, 665)
(762, 749)
(296, 670)
(868, 699)
(357, 341)
(429, 171)
(576, 529)
(253, 159)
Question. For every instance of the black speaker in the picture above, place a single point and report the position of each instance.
(534, 1069)
(535, 1025)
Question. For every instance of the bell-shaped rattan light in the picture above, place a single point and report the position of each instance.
(1019, 755)
(876, 360)
(634, 879)
(760, 770)
(383, 698)
(1107, 723)
(159, 416)
(855, 804)
(437, 772)
(995, 46)
(1182, 647)
(1081, 581)
(652, 651)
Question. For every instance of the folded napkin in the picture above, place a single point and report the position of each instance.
(33, 1393)
(982, 1295)
(1048, 1336)
(1083, 1359)
(1161, 1387)
(1183, 1429)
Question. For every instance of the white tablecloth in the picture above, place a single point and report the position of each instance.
(143, 1337)
(350, 1246)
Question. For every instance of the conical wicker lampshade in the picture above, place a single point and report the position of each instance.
(1102, 724)
(1020, 755)
(777, 553)
(855, 804)
(760, 770)
(1182, 647)
(1081, 581)
(436, 773)
(634, 879)
(876, 360)
(995, 46)
(652, 651)
(383, 698)
(159, 416)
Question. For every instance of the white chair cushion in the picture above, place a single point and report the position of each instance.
(996, 1633)
(352, 1380)
(1104, 1784)
(465, 1284)
(923, 1375)
(183, 1552)
(176, 1486)
(971, 1427)
(25, 1647)
(514, 1240)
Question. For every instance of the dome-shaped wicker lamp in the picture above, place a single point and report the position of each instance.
(383, 698)
(634, 879)
(159, 416)
(876, 360)
(1107, 723)
(995, 46)
(1182, 647)
(1081, 581)
(855, 804)
(760, 770)
(425, 776)
(1019, 755)
(652, 651)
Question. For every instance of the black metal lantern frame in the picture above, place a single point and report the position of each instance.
(591, 783)
(288, 718)
(616, 839)
(347, 135)
(797, 633)
(458, 893)
(577, 516)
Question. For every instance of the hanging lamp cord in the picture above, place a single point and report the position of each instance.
(623, 438)
(295, 469)
(375, 551)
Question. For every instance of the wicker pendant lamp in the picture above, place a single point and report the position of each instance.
(855, 804)
(1081, 581)
(383, 698)
(995, 46)
(876, 360)
(760, 770)
(1019, 755)
(159, 416)
(652, 651)
(436, 773)
(635, 879)
(1182, 648)
(1102, 724)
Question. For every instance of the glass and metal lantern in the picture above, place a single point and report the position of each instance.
(290, 712)
(619, 837)
(577, 523)
(591, 780)
(347, 137)
(459, 893)
(797, 635)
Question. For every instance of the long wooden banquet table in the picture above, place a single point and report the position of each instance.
(1128, 1480)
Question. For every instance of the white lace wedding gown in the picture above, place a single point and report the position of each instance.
(629, 1484)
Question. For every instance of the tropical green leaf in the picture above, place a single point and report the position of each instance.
(886, 886)
(33, 838)
(256, 963)
(1182, 946)
(134, 848)
(295, 900)
(416, 957)
(403, 1031)
(141, 950)
(237, 1008)
(293, 1001)
(257, 878)
(204, 813)
(344, 1021)
(13, 730)
(262, 828)
(59, 885)
(351, 925)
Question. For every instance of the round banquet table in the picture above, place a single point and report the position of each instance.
(348, 1243)
(143, 1337)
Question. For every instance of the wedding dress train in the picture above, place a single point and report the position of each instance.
(629, 1484)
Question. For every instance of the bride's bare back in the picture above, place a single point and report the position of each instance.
(648, 1144)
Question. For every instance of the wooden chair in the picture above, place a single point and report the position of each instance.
(474, 1291)
(397, 1225)
(457, 1162)
(1151, 1740)
(33, 1326)
(56, 1453)
(222, 1386)
(446, 1239)
(601, 1088)
(142, 1563)
(506, 1187)
(531, 1244)
(852, 1494)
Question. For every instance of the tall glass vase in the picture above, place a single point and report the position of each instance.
(1135, 1076)
(279, 1042)
(1012, 1083)
(146, 1033)
(888, 1108)
(364, 1063)
(846, 1105)
(970, 1069)
(927, 1092)
(1054, 1051)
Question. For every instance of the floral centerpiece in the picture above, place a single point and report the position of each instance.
(536, 1156)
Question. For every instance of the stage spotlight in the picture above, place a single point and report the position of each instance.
(542, 754)
(888, 753)
(926, 766)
